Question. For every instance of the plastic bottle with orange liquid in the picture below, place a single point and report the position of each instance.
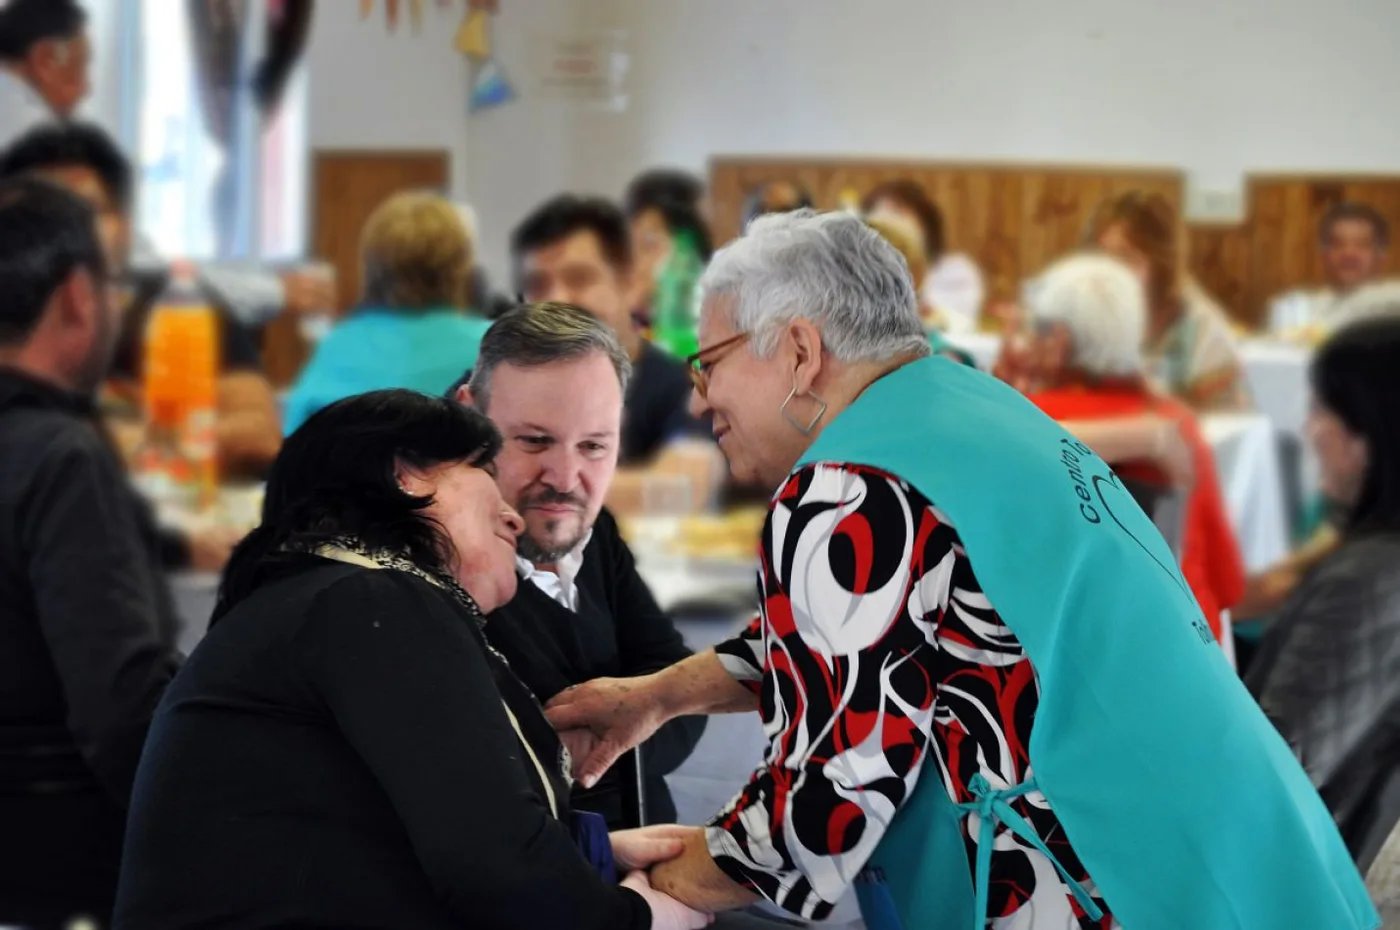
(178, 461)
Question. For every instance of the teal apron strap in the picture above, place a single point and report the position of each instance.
(991, 808)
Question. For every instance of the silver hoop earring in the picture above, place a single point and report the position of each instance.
(804, 430)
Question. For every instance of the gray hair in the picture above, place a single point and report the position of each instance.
(1102, 304)
(532, 335)
(830, 268)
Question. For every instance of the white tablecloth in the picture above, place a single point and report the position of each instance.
(1246, 460)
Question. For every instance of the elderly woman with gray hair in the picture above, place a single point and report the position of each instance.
(990, 695)
(1089, 313)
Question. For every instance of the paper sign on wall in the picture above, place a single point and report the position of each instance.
(587, 69)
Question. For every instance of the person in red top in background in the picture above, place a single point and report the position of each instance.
(1088, 314)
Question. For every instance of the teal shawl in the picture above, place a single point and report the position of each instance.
(1179, 797)
(373, 349)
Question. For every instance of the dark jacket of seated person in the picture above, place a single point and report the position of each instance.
(343, 749)
(656, 407)
(616, 630)
(87, 629)
(86, 622)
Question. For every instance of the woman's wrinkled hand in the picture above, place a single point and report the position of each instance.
(644, 847)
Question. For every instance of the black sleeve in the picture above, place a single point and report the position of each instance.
(412, 692)
(647, 641)
(237, 346)
(677, 422)
(97, 603)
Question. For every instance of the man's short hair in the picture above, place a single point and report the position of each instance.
(26, 23)
(532, 335)
(73, 145)
(1361, 212)
(45, 234)
(558, 219)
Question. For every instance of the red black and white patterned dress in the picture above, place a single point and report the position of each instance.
(875, 652)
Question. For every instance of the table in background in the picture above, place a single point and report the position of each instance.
(1246, 454)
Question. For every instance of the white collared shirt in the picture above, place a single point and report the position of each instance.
(21, 108)
(559, 584)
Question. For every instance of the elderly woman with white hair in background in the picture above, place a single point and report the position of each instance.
(990, 696)
(1090, 313)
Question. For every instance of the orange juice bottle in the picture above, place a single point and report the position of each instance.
(181, 390)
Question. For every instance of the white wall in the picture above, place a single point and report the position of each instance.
(104, 30)
(1218, 87)
(373, 89)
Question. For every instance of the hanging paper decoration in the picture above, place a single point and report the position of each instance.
(474, 36)
(489, 85)
(490, 88)
(391, 11)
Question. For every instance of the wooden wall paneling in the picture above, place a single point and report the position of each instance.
(1219, 256)
(1012, 219)
(346, 188)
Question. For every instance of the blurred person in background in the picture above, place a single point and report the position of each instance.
(45, 64)
(411, 329)
(577, 250)
(776, 197)
(951, 285)
(45, 57)
(981, 676)
(1352, 241)
(1327, 671)
(87, 624)
(1190, 345)
(83, 158)
(482, 299)
(657, 184)
(1092, 312)
(661, 206)
(904, 235)
(344, 749)
(552, 378)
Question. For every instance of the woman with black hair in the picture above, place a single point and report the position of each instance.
(344, 748)
(1328, 670)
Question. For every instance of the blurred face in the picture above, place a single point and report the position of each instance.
(745, 394)
(1114, 241)
(575, 271)
(1351, 256)
(113, 226)
(1342, 455)
(561, 423)
(651, 245)
(896, 212)
(468, 506)
(59, 70)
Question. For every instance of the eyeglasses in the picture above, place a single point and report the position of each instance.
(700, 370)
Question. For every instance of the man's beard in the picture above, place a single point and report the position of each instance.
(531, 549)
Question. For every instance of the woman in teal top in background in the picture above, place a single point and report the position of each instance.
(411, 329)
